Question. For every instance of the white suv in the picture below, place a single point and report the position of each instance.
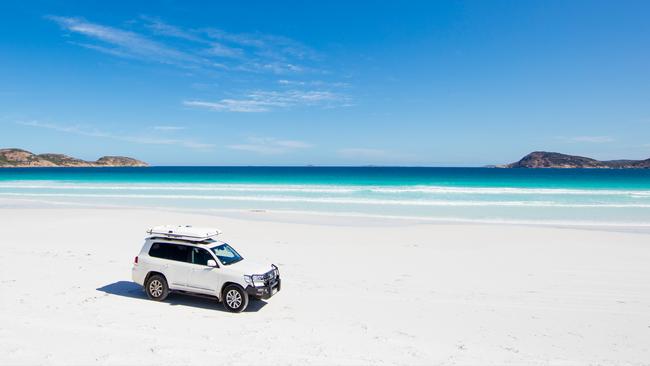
(189, 260)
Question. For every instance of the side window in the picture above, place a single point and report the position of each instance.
(159, 250)
(201, 256)
(173, 252)
(180, 253)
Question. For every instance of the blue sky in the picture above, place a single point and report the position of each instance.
(444, 83)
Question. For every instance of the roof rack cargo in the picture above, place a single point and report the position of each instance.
(184, 232)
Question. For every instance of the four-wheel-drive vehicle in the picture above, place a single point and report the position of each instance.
(190, 260)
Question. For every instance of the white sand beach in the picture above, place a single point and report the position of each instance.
(355, 292)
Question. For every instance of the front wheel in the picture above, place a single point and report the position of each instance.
(235, 299)
(156, 288)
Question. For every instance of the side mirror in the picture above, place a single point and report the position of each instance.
(212, 263)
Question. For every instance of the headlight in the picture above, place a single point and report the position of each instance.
(248, 280)
(254, 280)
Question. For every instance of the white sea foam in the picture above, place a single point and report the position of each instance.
(351, 214)
(330, 200)
(334, 189)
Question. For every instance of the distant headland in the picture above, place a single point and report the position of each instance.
(18, 158)
(544, 159)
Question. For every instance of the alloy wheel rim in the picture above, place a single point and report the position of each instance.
(233, 299)
(155, 288)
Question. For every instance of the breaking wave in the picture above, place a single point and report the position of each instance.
(332, 189)
(334, 200)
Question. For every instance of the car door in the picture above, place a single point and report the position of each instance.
(176, 265)
(203, 278)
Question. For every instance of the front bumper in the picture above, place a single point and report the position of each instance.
(271, 287)
(266, 291)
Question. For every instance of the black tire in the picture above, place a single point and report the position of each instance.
(156, 288)
(234, 298)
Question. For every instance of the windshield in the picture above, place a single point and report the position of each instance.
(226, 254)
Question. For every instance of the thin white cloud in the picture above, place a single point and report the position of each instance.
(107, 50)
(79, 130)
(159, 27)
(317, 83)
(293, 97)
(259, 53)
(266, 46)
(275, 67)
(270, 146)
(263, 101)
(211, 52)
(291, 82)
(122, 43)
(168, 128)
(587, 139)
(221, 50)
(229, 105)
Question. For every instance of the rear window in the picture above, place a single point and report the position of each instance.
(174, 252)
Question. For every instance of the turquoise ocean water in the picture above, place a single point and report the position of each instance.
(554, 196)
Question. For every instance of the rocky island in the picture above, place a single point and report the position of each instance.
(544, 159)
(18, 158)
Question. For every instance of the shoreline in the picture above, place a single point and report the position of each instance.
(329, 218)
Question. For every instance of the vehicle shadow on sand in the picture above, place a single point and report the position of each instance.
(135, 291)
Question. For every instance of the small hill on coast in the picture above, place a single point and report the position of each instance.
(544, 159)
(19, 158)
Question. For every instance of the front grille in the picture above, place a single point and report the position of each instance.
(270, 276)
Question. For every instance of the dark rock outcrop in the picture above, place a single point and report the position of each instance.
(118, 161)
(543, 159)
(23, 158)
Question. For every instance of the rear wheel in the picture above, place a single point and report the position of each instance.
(235, 299)
(156, 288)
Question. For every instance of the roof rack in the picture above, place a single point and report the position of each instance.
(184, 232)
